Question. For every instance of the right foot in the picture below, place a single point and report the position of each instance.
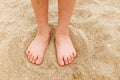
(36, 50)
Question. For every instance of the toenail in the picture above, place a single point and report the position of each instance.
(30, 60)
(70, 61)
(67, 63)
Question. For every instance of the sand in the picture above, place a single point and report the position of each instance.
(94, 30)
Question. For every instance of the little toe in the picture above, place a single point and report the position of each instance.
(60, 61)
(65, 60)
(74, 54)
(39, 60)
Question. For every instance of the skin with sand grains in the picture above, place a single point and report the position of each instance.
(94, 31)
(65, 48)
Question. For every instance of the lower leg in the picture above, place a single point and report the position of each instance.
(65, 49)
(41, 12)
(36, 49)
(65, 11)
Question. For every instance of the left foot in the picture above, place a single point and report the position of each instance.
(65, 49)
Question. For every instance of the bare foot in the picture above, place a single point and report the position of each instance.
(65, 49)
(36, 50)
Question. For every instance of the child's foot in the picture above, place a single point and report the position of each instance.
(36, 50)
(65, 49)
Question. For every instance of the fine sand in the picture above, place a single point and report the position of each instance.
(94, 30)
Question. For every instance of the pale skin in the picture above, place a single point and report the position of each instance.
(66, 52)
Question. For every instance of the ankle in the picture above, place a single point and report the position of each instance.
(61, 35)
(44, 36)
(62, 32)
(45, 31)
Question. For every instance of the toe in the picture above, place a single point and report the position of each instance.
(60, 61)
(27, 52)
(39, 60)
(74, 54)
(29, 55)
(72, 57)
(31, 58)
(69, 59)
(65, 60)
(34, 59)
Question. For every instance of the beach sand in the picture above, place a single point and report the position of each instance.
(94, 30)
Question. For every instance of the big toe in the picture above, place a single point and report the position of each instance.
(60, 61)
(39, 60)
(27, 52)
(29, 55)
